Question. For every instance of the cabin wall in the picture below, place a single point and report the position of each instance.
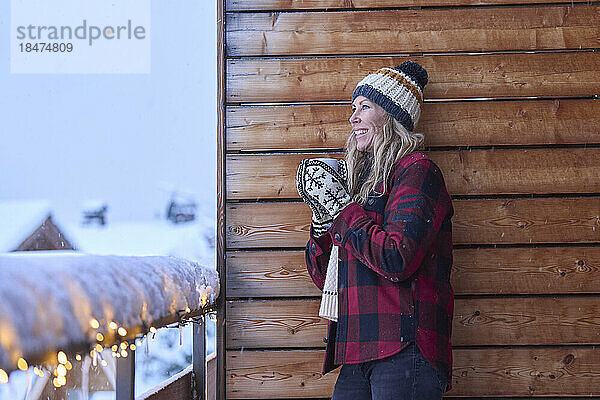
(511, 116)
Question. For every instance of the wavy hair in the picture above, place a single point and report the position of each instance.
(368, 168)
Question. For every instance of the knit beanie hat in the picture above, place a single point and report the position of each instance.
(399, 91)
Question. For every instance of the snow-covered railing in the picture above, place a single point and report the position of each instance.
(56, 307)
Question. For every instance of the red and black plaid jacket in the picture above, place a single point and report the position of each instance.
(394, 270)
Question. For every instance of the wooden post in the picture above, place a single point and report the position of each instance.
(125, 380)
(199, 358)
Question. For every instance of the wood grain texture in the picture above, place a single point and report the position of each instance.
(539, 270)
(450, 76)
(466, 172)
(477, 322)
(480, 123)
(539, 371)
(252, 5)
(404, 31)
(494, 221)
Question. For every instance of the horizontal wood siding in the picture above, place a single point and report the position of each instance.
(425, 30)
(512, 118)
(468, 172)
(477, 322)
(507, 123)
(497, 271)
(480, 373)
(452, 76)
(274, 5)
(478, 221)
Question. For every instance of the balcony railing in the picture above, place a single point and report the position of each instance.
(58, 308)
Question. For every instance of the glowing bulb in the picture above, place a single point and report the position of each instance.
(122, 331)
(61, 370)
(55, 382)
(104, 363)
(78, 357)
(61, 380)
(132, 347)
(37, 371)
(124, 353)
(152, 329)
(187, 310)
(92, 353)
(99, 337)
(62, 357)
(112, 325)
(114, 347)
(94, 323)
(3, 376)
(98, 348)
(123, 345)
(69, 365)
(22, 364)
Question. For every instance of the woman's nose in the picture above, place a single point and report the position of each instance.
(354, 118)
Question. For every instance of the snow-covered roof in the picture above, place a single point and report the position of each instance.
(19, 219)
(48, 300)
(191, 240)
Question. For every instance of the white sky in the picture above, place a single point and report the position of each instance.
(128, 139)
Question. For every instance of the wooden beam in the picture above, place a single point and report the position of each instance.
(466, 172)
(493, 221)
(451, 76)
(482, 373)
(523, 270)
(408, 31)
(512, 123)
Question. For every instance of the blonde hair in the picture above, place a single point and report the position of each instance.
(368, 168)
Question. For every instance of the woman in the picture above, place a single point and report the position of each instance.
(386, 213)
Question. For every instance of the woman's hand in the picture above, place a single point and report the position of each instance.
(323, 188)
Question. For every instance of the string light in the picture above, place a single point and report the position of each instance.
(103, 363)
(94, 323)
(78, 357)
(61, 370)
(124, 353)
(22, 364)
(99, 337)
(56, 383)
(98, 348)
(68, 365)
(122, 331)
(187, 310)
(112, 325)
(152, 329)
(132, 347)
(62, 357)
(114, 348)
(61, 380)
(3, 376)
(123, 345)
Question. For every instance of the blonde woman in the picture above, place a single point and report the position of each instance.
(380, 248)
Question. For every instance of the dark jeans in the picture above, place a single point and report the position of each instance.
(403, 376)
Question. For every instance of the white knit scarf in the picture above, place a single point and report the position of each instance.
(329, 300)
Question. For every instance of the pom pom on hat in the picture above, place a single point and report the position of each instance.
(415, 71)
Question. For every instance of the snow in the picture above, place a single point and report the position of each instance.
(19, 220)
(191, 240)
(48, 299)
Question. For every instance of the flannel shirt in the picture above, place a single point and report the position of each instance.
(393, 270)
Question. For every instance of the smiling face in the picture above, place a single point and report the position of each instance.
(367, 119)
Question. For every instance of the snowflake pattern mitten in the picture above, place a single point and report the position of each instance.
(323, 188)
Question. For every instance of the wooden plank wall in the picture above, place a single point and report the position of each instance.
(512, 117)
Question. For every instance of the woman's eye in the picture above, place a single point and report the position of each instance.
(365, 106)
